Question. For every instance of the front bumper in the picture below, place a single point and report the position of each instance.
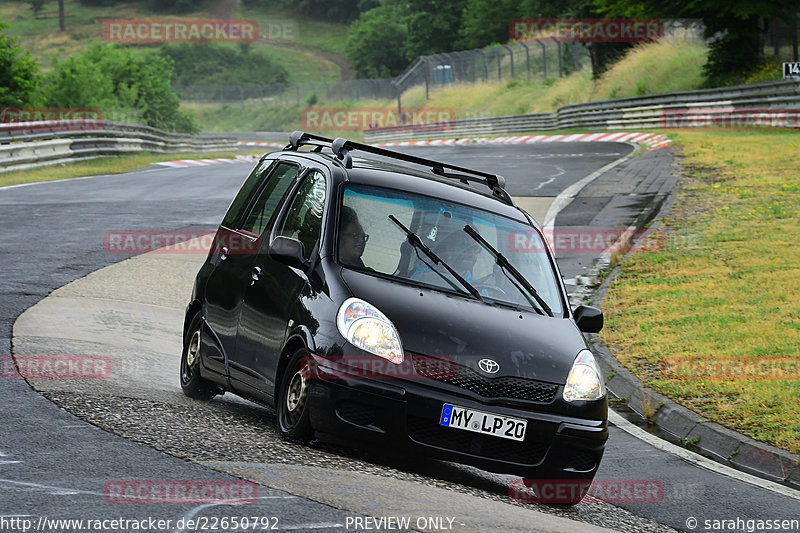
(401, 413)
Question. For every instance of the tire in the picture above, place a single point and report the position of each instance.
(193, 385)
(292, 406)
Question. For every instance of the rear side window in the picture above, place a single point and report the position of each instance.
(304, 217)
(264, 208)
(246, 193)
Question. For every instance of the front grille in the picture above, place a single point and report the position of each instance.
(431, 433)
(452, 373)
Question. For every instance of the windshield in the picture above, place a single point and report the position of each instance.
(369, 240)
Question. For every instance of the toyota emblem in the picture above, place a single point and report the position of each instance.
(490, 366)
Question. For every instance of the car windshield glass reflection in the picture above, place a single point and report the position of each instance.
(369, 239)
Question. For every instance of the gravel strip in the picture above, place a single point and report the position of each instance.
(220, 432)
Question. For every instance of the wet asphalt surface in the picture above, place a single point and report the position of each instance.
(53, 464)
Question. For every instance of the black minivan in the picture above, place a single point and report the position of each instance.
(399, 301)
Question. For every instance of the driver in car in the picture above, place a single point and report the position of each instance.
(352, 239)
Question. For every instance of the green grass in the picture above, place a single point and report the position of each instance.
(723, 295)
(303, 64)
(108, 165)
(665, 66)
(314, 34)
(654, 67)
(251, 115)
(309, 54)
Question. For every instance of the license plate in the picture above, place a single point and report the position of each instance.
(506, 427)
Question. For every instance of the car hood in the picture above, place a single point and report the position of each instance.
(524, 344)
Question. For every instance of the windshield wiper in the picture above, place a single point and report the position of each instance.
(508, 268)
(416, 242)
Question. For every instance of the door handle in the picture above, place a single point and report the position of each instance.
(256, 275)
(223, 253)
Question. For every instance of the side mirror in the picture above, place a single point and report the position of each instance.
(288, 251)
(589, 319)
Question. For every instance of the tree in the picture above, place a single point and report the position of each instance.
(485, 22)
(19, 80)
(602, 54)
(336, 10)
(733, 26)
(375, 42)
(433, 25)
(175, 6)
(36, 6)
(217, 64)
(118, 79)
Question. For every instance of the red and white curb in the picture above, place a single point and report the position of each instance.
(196, 162)
(651, 140)
(253, 143)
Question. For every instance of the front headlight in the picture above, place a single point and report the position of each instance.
(364, 326)
(585, 382)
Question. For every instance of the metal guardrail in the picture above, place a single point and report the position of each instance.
(27, 145)
(720, 106)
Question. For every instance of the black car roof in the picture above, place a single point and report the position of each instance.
(413, 177)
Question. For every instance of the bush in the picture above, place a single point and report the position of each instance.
(217, 64)
(122, 80)
(19, 80)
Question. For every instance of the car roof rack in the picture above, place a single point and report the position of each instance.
(342, 147)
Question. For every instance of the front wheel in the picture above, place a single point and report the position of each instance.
(292, 408)
(193, 385)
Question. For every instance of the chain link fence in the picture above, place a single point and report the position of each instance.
(538, 59)
(530, 60)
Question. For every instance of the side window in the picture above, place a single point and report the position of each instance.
(270, 199)
(246, 192)
(304, 218)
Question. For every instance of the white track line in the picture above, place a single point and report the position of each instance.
(698, 460)
(562, 199)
